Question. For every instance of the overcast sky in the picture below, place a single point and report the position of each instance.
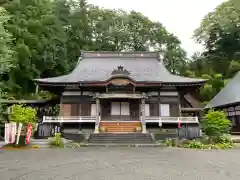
(180, 17)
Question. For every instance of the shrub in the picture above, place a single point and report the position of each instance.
(57, 141)
(102, 129)
(223, 146)
(195, 145)
(215, 124)
(223, 142)
(224, 139)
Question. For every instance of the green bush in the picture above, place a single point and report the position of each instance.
(102, 129)
(223, 142)
(224, 139)
(215, 124)
(223, 146)
(56, 141)
(195, 145)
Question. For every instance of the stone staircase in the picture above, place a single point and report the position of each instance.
(121, 138)
(115, 127)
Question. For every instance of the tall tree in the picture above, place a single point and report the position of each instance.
(48, 36)
(220, 34)
(39, 40)
(6, 52)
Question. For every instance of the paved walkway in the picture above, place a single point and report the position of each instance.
(2, 143)
(119, 164)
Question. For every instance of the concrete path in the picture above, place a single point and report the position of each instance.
(119, 164)
(2, 143)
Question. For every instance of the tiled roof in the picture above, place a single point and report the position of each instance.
(98, 66)
(230, 94)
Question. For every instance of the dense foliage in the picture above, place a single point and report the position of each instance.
(48, 36)
(6, 50)
(219, 34)
(43, 38)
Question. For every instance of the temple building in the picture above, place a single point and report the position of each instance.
(228, 100)
(124, 92)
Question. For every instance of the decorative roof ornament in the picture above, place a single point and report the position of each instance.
(120, 71)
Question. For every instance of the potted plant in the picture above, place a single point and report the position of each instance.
(25, 115)
(102, 129)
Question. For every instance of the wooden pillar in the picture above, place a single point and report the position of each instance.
(98, 115)
(144, 129)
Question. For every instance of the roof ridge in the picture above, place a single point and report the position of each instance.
(118, 54)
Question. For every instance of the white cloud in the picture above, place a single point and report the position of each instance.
(180, 17)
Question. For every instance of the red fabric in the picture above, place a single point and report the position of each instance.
(29, 133)
(179, 125)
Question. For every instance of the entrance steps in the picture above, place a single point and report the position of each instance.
(121, 138)
(115, 127)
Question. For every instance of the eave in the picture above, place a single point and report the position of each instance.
(105, 83)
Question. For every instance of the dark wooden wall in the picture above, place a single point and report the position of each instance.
(190, 97)
(233, 114)
(80, 105)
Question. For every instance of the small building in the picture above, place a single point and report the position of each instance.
(121, 91)
(228, 100)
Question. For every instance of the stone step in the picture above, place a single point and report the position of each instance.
(121, 145)
(120, 137)
(129, 138)
(120, 140)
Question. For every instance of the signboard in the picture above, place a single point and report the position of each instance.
(120, 82)
(7, 133)
(19, 132)
(13, 131)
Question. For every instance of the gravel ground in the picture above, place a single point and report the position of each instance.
(119, 164)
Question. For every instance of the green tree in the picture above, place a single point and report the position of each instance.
(49, 35)
(219, 33)
(212, 87)
(7, 55)
(23, 114)
(39, 42)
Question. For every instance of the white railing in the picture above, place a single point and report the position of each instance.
(69, 119)
(118, 121)
(161, 119)
(148, 119)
